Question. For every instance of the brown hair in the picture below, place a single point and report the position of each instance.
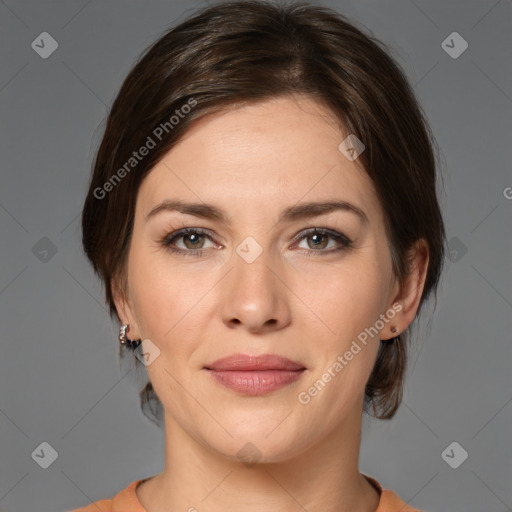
(235, 53)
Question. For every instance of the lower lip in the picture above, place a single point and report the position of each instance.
(255, 383)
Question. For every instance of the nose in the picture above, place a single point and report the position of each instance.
(255, 295)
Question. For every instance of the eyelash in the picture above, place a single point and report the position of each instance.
(345, 242)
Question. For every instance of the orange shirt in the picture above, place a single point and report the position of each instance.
(127, 501)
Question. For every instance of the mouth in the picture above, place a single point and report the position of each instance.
(255, 375)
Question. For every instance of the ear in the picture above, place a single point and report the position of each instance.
(124, 308)
(409, 294)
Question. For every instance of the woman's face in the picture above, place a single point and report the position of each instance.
(261, 281)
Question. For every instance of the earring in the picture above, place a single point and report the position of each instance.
(124, 340)
(396, 336)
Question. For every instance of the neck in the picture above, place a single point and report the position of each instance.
(324, 476)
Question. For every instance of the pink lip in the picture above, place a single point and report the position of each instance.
(255, 375)
(243, 362)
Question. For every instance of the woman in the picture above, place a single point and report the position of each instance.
(263, 214)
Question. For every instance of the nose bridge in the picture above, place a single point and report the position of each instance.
(256, 296)
(253, 265)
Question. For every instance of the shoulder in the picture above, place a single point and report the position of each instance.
(97, 506)
(389, 501)
(125, 501)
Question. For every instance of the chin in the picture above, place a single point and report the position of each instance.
(251, 445)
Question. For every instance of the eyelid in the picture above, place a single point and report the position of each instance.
(323, 231)
(179, 233)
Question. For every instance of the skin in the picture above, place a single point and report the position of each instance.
(254, 161)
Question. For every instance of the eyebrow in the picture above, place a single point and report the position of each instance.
(292, 213)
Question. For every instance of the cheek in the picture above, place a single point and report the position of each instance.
(348, 297)
(165, 298)
(152, 293)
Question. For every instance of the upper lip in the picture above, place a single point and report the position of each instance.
(244, 362)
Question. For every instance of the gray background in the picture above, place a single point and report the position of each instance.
(60, 379)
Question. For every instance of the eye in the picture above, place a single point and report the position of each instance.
(320, 237)
(191, 238)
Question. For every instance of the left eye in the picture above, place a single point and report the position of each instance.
(319, 238)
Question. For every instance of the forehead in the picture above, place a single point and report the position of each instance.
(259, 157)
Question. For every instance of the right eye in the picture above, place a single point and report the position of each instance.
(191, 239)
